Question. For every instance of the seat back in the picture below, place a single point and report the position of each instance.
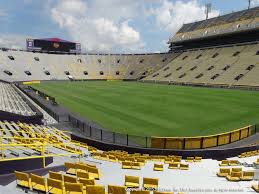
(158, 165)
(69, 179)
(21, 176)
(151, 181)
(95, 189)
(224, 170)
(55, 175)
(38, 180)
(74, 187)
(248, 173)
(82, 175)
(184, 165)
(126, 163)
(117, 189)
(87, 181)
(139, 192)
(236, 174)
(52, 183)
(132, 179)
(69, 165)
(236, 170)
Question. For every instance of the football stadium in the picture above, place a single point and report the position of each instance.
(183, 121)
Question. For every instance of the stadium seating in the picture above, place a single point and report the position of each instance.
(90, 66)
(11, 101)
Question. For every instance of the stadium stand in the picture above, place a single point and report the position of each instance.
(12, 102)
(83, 66)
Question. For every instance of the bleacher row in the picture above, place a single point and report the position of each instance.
(26, 66)
(11, 101)
(231, 66)
(233, 22)
(29, 140)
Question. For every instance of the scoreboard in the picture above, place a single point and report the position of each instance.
(53, 44)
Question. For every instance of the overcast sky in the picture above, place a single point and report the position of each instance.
(112, 26)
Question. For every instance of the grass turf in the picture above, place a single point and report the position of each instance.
(157, 110)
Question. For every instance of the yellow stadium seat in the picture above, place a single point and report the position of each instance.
(184, 166)
(224, 163)
(189, 159)
(132, 181)
(38, 183)
(86, 181)
(233, 163)
(82, 175)
(173, 166)
(177, 160)
(135, 165)
(197, 159)
(150, 183)
(70, 179)
(158, 167)
(223, 172)
(139, 192)
(95, 189)
(74, 188)
(141, 161)
(126, 165)
(71, 168)
(158, 192)
(80, 167)
(112, 158)
(247, 176)
(257, 161)
(169, 160)
(236, 169)
(117, 189)
(23, 179)
(55, 175)
(93, 173)
(234, 176)
(55, 186)
(256, 187)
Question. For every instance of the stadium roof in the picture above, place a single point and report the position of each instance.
(55, 40)
(231, 17)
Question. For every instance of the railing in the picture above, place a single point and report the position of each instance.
(41, 146)
(199, 142)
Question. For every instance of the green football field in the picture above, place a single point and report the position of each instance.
(157, 110)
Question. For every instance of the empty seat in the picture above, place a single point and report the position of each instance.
(117, 189)
(158, 167)
(234, 176)
(38, 183)
(173, 166)
(76, 188)
(23, 179)
(71, 168)
(139, 192)
(184, 166)
(94, 189)
(131, 181)
(55, 186)
(223, 172)
(69, 179)
(82, 175)
(247, 176)
(55, 175)
(150, 183)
